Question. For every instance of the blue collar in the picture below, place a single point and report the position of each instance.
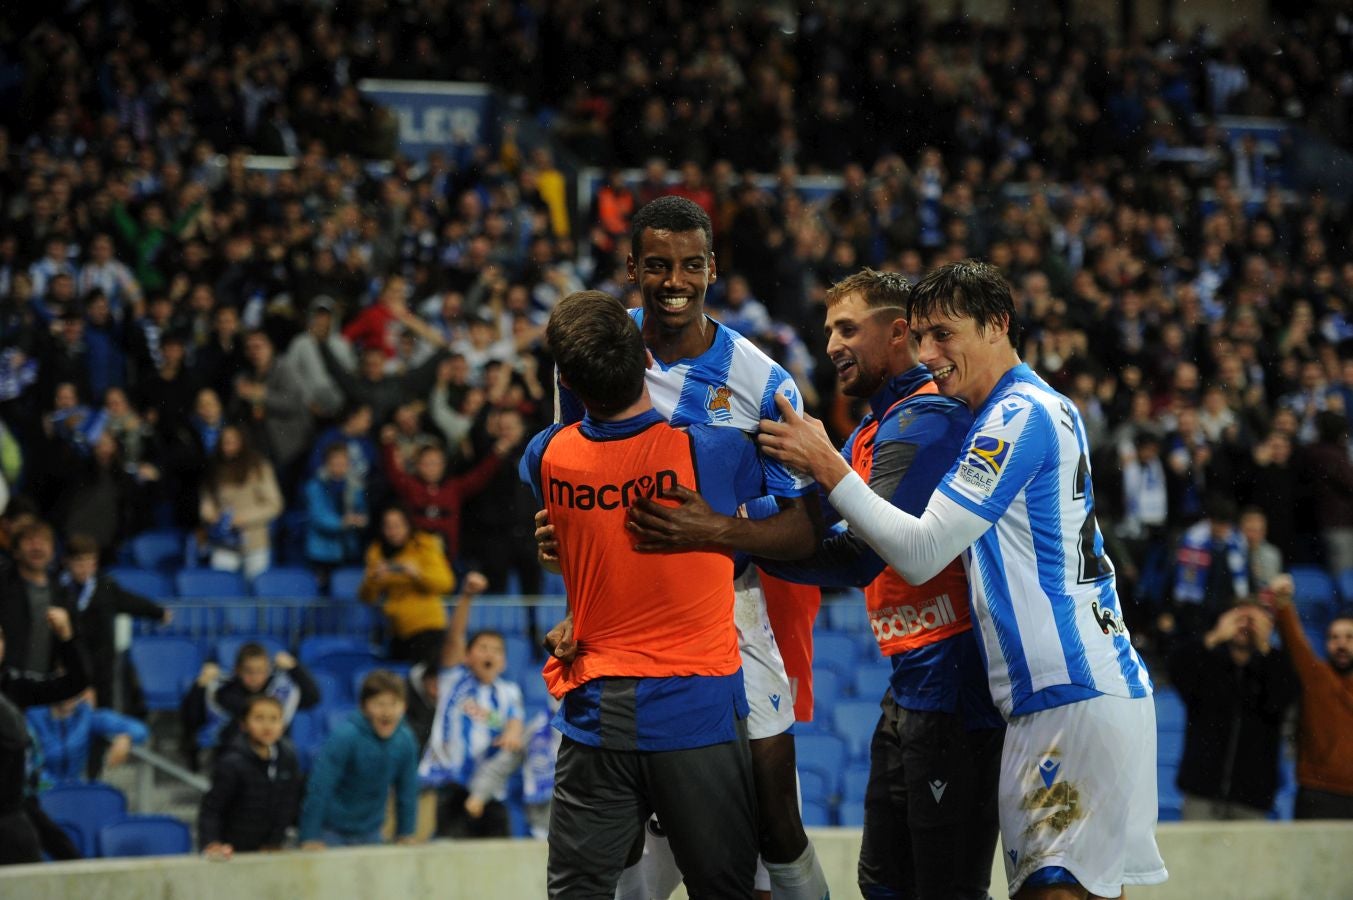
(897, 387)
(618, 428)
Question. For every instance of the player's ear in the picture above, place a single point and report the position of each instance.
(713, 269)
(631, 270)
(1000, 329)
(901, 330)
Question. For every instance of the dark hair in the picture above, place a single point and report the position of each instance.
(237, 471)
(485, 633)
(80, 544)
(598, 349)
(380, 682)
(1330, 427)
(1220, 507)
(258, 699)
(249, 651)
(879, 289)
(966, 289)
(670, 213)
(334, 448)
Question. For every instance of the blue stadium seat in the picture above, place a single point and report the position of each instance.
(854, 782)
(90, 806)
(359, 674)
(850, 814)
(533, 692)
(145, 835)
(307, 733)
(1171, 800)
(855, 721)
(508, 619)
(343, 583)
(209, 584)
(1169, 747)
(813, 788)
(1344, 583)
(1170, 711)
(76, 835)
(1285, 801)
(821, 753)
(547, 615)
(551, 584)
(154, 585)
(343, 664)
(286, 583)
(826, 692)
(1316, 638)
(816, 815)
(848, 615)
(1314, 593)
(317, 645)
(162, 664)
(333, 692)
(835, 652)
(227, 648)
(871, 680)
(521, 662)
(160, 551)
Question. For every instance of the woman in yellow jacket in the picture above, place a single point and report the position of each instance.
(408, 571)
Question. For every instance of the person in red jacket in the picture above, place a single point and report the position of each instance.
(433, 499)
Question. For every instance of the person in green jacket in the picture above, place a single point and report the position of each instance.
(364, 758)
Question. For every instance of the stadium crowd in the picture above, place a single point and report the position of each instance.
(261, 355)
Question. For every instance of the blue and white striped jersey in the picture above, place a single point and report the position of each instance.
(1042, 588)
(470, 716)
(733, 383)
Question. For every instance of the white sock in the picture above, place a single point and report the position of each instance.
(631, 885)
(801, 879)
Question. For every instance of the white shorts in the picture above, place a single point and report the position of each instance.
(763, 670)
(1078, 790)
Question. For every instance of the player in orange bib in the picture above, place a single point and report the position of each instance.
(653, 708)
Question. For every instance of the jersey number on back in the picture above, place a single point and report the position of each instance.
(1095, 566)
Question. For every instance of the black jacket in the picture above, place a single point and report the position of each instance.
(96, 623)
(19, 690)
(1233, 732)
(252, 800)
(14, 617)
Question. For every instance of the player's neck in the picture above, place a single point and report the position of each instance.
(671, 346)
(979, 395)
(642, 405)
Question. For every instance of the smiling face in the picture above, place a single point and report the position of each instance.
(965, 360)
(674, 269)
(859, 339)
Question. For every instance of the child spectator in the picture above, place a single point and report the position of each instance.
(365, 757)
(240, 499)
(408, 571)
(479, 715)
(214, 707)
(255, 788)
(336, 503)
(433, 499)
(66, 731)
(97, 601)
(536, 761)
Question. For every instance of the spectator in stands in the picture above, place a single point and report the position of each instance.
(67, 731)
(373, 388)
(213, 708)
(239, 500)
(1330, 474)
(166, 393)
(336, 510)
(102, 499)
(256, 785)
(268, 397)
(318, 389)
(502, 542)
(1211, 569)
(362, 761)
(25, 831)
(1265, 561)
(434, 499)
(97, 600)
(184, 453)
(408, 573)
(27, 593)
(479, 715)
(354, 432)
(1325, 736)
(1236, 687)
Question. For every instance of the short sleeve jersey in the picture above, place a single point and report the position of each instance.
(1042, 587)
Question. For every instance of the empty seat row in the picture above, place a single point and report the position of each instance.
(95, 817)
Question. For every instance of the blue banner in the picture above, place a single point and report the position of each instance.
(450, 116)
